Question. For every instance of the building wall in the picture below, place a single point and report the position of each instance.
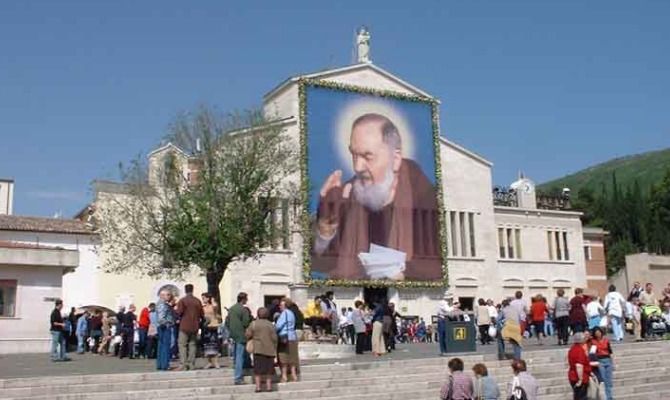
(81, 286)
(596, 267)
(643, 268)
(6, 196)
(37, 287)
(535, 272)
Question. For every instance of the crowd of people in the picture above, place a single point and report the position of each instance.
(179, 330)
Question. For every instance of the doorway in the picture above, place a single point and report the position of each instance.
(267, 300)
(372, 295)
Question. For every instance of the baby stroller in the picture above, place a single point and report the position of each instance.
(654, 320)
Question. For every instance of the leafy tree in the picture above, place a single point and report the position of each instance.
(659, 217)
(616, 254)
(171, 223)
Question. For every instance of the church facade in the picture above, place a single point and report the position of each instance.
(493, 249)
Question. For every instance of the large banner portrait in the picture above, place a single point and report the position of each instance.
(372, 181)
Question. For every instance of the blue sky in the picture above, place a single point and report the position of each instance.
(546, 87)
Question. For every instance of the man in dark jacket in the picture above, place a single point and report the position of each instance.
(238, 321)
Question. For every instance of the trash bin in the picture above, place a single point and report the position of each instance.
(461, 336)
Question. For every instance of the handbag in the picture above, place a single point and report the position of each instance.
(283, 339)
(492, 331)
(249, 347)
(596, 390)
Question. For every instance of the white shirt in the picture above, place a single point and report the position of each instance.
(493, 312)
(593, 309)
(613, 304)
(443, 309)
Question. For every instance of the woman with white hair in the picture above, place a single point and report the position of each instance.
(579, 370)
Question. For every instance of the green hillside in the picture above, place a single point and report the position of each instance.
(647, 168)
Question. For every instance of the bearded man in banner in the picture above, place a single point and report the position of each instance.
(388, 207)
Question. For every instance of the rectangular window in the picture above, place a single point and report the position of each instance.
(463, 236)
(471, 219)
(510, 243)
(517, 237)
(565, 246)
(501, 241)
(454, 237)
(8, 298)
(559, 250)
(550, 240)
(587, 253)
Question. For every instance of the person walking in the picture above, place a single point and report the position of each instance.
(594, 312)
(522, 382)
(538, 313)
(579, 366)
(483, 322)
(458, 385)
(601, 349)
(378, 345)
(485, 386)
(358, 321)
(509, 328)
(165, 320)
(521, 307)
(263, 338)
(578, 311)
(190, 313)
(57, 329)
(238, 321)
(615, 305)
(210, 330)
(561, 317)
(287, 348)
(82, 332)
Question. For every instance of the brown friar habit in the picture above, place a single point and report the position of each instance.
(409, 224)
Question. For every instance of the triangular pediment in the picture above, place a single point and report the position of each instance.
(365, 75)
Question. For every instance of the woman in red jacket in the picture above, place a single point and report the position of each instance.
(602, 350)
(579, 370)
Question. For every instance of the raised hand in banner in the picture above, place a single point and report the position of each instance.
(332, 196)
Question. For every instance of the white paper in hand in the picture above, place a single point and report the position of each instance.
(383, 262)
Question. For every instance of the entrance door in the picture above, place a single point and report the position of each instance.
(267, 300)
(373, 295)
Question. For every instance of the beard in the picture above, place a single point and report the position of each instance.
(374, 196)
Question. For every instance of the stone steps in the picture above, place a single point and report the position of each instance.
(545, 374)
(635, 364)
(642, 369)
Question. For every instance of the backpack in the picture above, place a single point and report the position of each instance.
(517, 392)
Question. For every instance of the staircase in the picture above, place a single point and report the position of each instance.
(642, 372)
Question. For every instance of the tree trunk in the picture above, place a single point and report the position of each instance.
(214, 278)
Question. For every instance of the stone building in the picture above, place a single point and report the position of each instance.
(36, 255)
(494, 248)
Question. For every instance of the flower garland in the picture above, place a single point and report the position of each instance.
(306, 223)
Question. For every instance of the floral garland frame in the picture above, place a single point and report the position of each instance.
(305, 186)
